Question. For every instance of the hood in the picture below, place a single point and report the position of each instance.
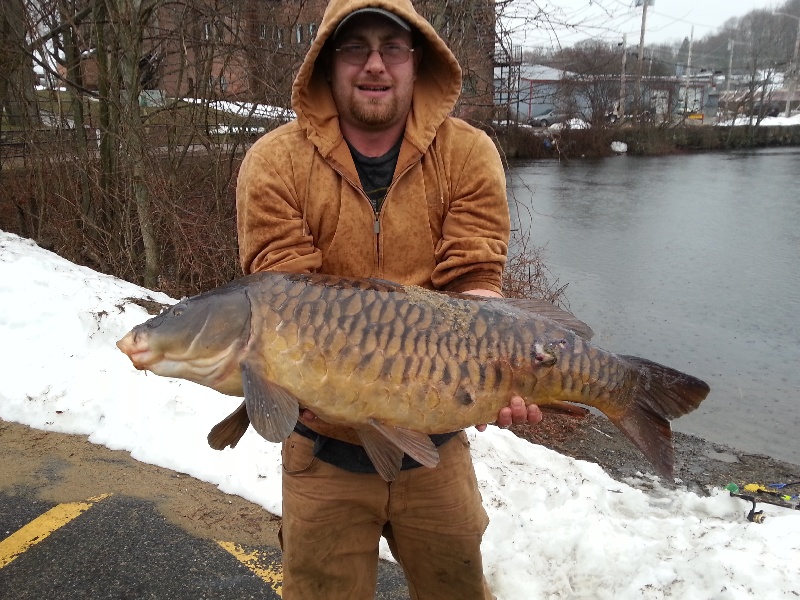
(436, 90)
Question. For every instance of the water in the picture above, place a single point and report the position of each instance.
(692, 261)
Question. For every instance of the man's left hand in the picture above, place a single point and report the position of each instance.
(515, 413)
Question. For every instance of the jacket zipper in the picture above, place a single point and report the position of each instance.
(376, 226)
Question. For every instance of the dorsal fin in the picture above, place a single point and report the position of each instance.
(550, 311)
(532, 305)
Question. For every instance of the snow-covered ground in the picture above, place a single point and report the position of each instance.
(560, 528)
(765, 122)
(248, 109)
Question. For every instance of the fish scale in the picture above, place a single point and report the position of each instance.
(439, 362)
(398, 362)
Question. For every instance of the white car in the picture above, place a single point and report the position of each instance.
(570, 124)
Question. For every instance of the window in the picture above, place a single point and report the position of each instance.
(312, 31)
(212, 31)
(262, 34)
(299, 34)
(468, 85)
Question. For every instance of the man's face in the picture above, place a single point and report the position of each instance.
(373, 96)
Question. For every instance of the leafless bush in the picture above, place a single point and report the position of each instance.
(198, 229)
(193, 211)
(527, 276)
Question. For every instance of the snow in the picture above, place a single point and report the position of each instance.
(560, 528)
(245, 109)
(570, 124)
(619, 147)
(765, 122)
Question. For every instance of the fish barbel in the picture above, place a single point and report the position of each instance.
(399, 362)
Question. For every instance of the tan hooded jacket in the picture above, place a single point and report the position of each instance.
(444, 223)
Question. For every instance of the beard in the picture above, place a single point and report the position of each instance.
(375, 114)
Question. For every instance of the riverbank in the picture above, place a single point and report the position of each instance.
(522, 142)
(700, 465)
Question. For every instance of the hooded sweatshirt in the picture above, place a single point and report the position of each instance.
(444, 223)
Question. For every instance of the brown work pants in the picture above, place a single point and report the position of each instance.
(433, 520)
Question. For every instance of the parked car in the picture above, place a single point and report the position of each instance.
(548, 118)
(570, 124)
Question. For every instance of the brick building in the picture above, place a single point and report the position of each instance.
(251, 49)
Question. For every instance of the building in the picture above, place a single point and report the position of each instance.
(250, 50)
(528, 91)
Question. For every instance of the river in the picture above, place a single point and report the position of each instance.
(691, 261)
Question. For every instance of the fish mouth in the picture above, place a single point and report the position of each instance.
(215, 370)
(136, 348)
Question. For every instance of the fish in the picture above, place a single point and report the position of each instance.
(398, 363)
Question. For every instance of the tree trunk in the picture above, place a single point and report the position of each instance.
(75, 77)
(130, 19)
(17, 81)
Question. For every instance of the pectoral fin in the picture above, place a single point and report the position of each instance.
(272, 410)
(230, 430)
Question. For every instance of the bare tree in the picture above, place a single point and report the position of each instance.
(593, 87)
(17, 97)
(129, 156)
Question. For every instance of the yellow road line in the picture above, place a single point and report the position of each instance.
(41, 527)
(271, 573)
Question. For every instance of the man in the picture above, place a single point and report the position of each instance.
(373, 179)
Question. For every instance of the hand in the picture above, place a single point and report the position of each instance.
(307, 416)
(517, 413)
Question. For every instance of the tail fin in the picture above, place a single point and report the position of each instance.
(660, 394)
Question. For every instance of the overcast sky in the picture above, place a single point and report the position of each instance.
(667, 20)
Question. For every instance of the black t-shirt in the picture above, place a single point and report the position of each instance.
(376, 172)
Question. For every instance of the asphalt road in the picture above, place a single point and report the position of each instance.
(81, 521)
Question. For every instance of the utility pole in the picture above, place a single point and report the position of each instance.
(795, 72)
(687, 75)
(640, 58)
(731, 44)
(621, 106)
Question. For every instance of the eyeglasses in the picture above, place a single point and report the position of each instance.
(358, 54)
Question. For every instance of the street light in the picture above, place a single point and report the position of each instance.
(795, 63)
